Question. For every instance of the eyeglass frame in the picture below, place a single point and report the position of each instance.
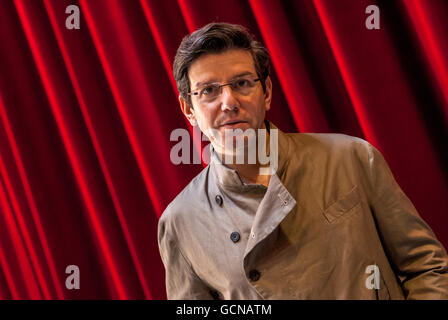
(220, 86)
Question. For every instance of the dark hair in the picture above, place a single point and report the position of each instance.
(217, 37)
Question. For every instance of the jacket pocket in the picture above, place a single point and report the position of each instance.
(343, 205)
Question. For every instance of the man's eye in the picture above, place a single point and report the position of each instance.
(242, 83)
(210, 90)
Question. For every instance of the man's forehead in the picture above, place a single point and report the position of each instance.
(215, 67)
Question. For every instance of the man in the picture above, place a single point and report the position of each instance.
(328, 221)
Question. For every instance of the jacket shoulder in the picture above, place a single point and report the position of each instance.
(187, 199)
(332, 150)
(334, 144)
(327, 140)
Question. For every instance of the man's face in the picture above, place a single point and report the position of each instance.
(229, 110)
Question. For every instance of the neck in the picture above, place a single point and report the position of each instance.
(249, 173)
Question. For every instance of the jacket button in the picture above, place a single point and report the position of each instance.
(254, 275)
(215, 295)
(218, 200)
(235, 236)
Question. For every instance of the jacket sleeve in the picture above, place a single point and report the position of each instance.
(419, 259)
(182, 283)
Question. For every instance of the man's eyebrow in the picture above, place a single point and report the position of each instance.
(242, 74)
(200, 84)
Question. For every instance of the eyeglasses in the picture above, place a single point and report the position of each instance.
(243, 86)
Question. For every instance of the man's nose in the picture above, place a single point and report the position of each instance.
(228, 99)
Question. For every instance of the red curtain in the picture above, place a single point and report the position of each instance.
(86, 117)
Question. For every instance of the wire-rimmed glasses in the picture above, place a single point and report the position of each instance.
(209, 92)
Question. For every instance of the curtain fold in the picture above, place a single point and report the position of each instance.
(290, 67)
(431, 18)
(86, 118)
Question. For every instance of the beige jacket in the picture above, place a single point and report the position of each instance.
(335, 220)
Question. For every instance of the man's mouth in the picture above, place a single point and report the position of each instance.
(232, 123)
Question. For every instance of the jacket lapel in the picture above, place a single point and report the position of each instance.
(277, 202)
(274, 207)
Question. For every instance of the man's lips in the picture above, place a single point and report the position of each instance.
(232, 122)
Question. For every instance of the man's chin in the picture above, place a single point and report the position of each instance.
(234, 141)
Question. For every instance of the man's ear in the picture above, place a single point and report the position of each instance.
(268, 93)
(188, 111)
